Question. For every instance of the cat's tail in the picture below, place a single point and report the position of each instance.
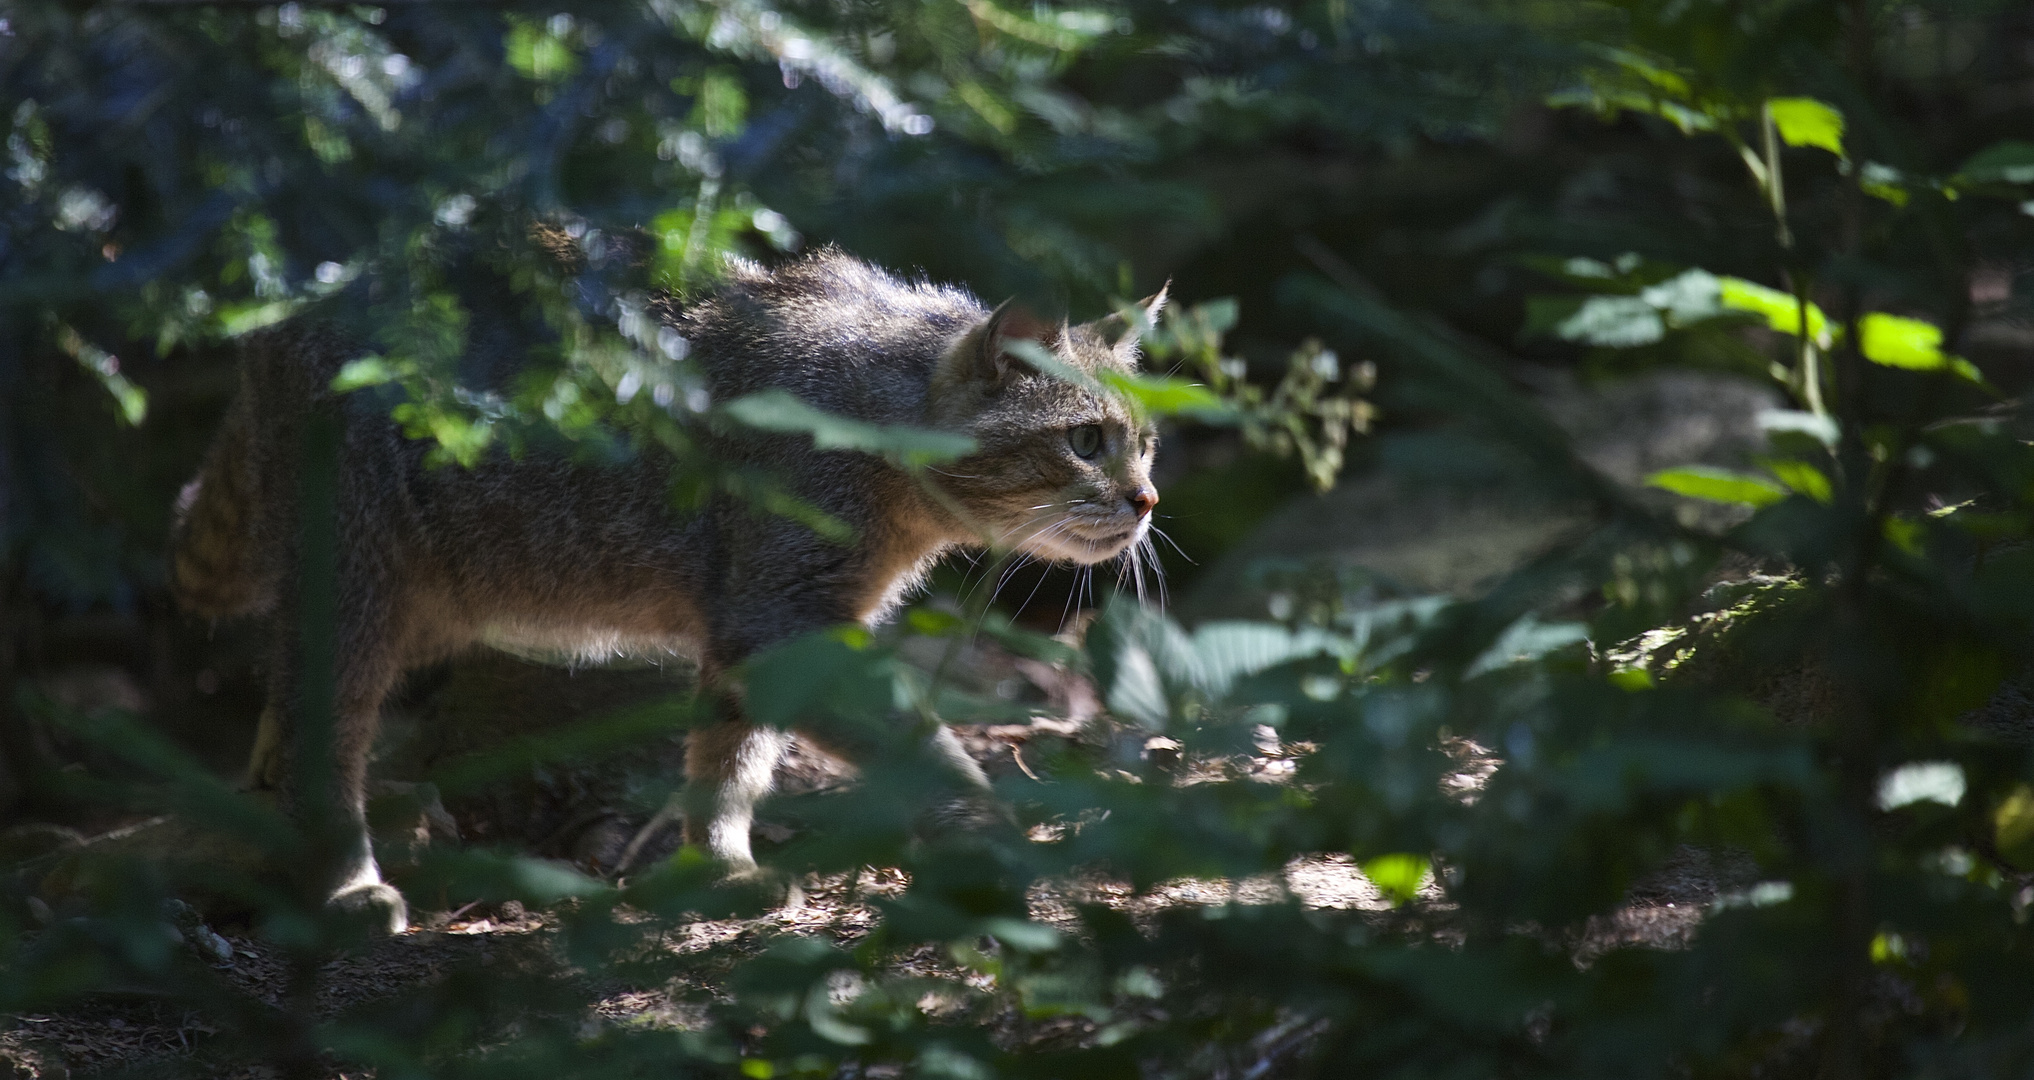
(213, 567)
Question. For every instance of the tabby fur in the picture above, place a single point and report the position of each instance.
(594, 559)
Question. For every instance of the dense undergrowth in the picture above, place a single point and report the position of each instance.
(1818, 686)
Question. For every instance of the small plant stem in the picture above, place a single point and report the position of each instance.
(702, 228)
(1811, 377)
(1807, 354)
(1776, 188)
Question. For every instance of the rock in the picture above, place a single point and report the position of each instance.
(201, 939)
(1634, 427)
(1406, 532)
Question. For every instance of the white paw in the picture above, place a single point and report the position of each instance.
(382, 903)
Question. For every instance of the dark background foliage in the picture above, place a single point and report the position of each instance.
(1719, 702)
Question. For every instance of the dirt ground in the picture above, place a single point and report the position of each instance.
(588, 814)
(113, 1033)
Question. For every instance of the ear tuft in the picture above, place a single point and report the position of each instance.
(1118, 330)
(1155, 303)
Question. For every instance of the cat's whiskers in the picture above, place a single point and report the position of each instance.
(1034, 593)
(1131, 567)
(1160, 533)
(1072, 595)
(1023, 560)
(1000, 547)
(1055, 528)
(1148, 556)
(1009, 559)
(1002, 541)
(1043, 530)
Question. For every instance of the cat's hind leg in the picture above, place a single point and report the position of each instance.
(321, 768)
(365, 677)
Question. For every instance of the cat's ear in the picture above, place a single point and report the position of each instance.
(1121, 333)
(984, 350)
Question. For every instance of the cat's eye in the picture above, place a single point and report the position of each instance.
(1086, 440)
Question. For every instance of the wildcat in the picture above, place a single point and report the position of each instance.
(541, 550)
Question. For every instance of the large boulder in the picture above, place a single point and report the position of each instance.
(1409, 527)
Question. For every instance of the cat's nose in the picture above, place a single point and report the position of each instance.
(1142, 500)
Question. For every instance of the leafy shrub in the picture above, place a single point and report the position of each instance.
(1826, 759)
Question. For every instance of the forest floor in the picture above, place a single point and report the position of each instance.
(113, 1034)
(122, 1033)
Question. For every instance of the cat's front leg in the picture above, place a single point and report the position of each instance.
(730, 765)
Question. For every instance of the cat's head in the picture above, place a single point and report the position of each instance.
(1063, 465)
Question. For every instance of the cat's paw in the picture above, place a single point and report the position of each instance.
(376, 905)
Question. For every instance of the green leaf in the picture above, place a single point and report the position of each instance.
(1026, 643)
(826, 1021)
(1022, 933)
(1802, 477)
(541, 882)
(822, 674)
(1905, 534)
(1219, 315)
(364, 372)
(1823, 429)
(1884, 182)
(1525, 640)
(1807, 122)
(2014, 822)
(782, 411)
(1614, 321)
(1544, 315)
(460, 438)
(1718, 485)
(1645, 86)
(1669, 82)
(104, 366)
(536, 53)
(933, 622)
(1398, 876)
(1897, 341)
(1688, 297)
(1165, 395)
(2009, 162)
(1631, 678)
(132, 399)
(1049, 363)
(238, 319)
(1624, 320)
(1230, 649)
(1782, 311)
